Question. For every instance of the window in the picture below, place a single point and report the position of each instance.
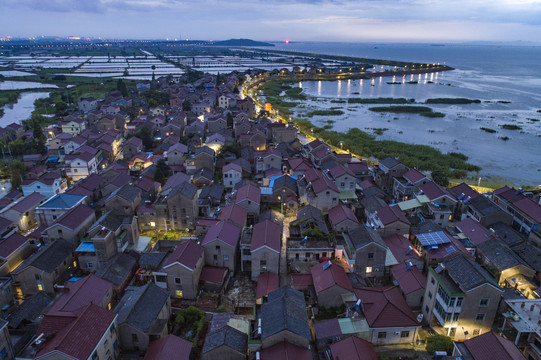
(179, 293)
(263, 265)
(218, 247)
(226, 257)
(404, 334)
(90, 265)
(368, 269)
(134, 337)
(483, 302)
(40, 287)
(370, 255)
(37, 277)
(459, 302)
(480, 317)
(215, 257)
(432, 281)
(178, 281)
(382, 335)
(427, 309)
(456, 316)
(430, 295)
(476, 332)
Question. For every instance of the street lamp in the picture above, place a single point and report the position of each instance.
(341, 143)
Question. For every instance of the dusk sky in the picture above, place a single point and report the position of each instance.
(325, 20)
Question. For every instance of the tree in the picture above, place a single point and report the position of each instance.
(439, 343)
(145, 135)
(186, 105)
(121, 86)
(159, 176)
(152, 103)
(163, 167)
(60, 108)
(229, 117)
(17, 170)
(218, 79)
(440, 177)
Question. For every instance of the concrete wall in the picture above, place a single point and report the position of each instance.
(271, 257)
(331, 296)
(393, 335)
(189, 280)
(223, 256)
(377, 262)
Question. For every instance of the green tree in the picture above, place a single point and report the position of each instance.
(440, 177)
(186, 105)
(439, 343)
(146, 136)
(60, 108)
(121, 86)
(152, 102)
(17, 170)
(159, 176)
(165, 169)
(229, 117)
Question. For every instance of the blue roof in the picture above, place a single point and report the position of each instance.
(266, 191)
(86, 246)
(62, 201)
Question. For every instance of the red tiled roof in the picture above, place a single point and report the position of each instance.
(28, 202)
(234, 213)
(266, 282)
(340, 170)
(486, 346)
(170, 347)
(353, 348)
(385, 307)
(400, 247)
(299, 164)
(389, 214)
(409, 280)
(341, 213)
(223, 231)
(413, 175)
(476, 232)
(75, 334)
(327, 328)
(83, 292)
(232, 166)
(529, 207)
(465, 189)
(266, 233)
(302, 279)
(187, 254)
(286, 351)
(366, 184)
(207, 222)
(326, 278)
(75, 216)
(249, 192)
(434, 191)
(175, 180)
(10, 244)
(323, 184)
(213, 274)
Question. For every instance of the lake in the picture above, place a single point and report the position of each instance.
(22, 110)
(506, 79)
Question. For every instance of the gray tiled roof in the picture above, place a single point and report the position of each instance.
(484, 205)
(140, 306)
(126, 192)
(186, 189)
(117, 269)
(214, 191)
(285, 310)
(362, 235)
(500, 255)
(49, 258)
(226, 336)
(389, 162)
(466, 273)
(108, 220)
(29, 310)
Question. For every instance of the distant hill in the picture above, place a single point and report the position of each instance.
(241, 42)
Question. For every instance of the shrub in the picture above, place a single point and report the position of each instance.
(439, 343)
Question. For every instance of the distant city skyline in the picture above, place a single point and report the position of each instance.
(296, 20)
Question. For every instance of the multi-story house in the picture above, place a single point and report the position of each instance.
(386, 171)
(44, 269)
(47, 185)
(72, 225)
(408, 184)
(182, 270)
(461, 298)
(265, 248)
(60, 341)
(132, 146)
(48, 212)
(124, 200)
(221, 245)
(81, 165)
(74, 126)
(22, 211)
(177, 209)
(521, 326)
(175, 155)
(232, 174)
(366, 253)
(143, 313)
